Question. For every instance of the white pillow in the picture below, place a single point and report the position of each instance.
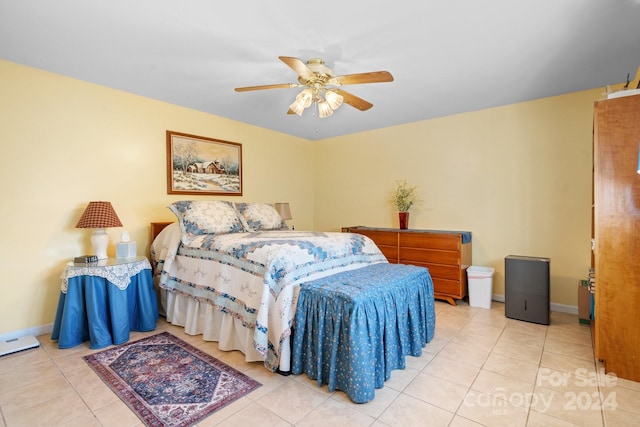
(260, 216)
(205, 217)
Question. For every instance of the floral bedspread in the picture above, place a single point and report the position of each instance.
(255, 276)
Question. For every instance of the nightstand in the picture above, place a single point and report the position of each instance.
(102, 302)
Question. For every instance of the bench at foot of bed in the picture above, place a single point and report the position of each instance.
(352, 329)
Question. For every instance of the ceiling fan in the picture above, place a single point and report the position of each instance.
(321, 88)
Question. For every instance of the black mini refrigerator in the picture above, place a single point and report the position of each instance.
(526, 283)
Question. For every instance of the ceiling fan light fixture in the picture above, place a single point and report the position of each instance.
(305, 97)
(324, 110)
(333, 99)
(297, 107)
(303, 100)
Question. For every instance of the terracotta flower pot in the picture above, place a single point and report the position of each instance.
(404, 220)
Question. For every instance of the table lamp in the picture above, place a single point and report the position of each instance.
(284, 211)
(99, 215)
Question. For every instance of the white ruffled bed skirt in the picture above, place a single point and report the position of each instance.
(200, 318)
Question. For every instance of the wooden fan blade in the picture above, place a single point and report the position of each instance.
(353, 100)
(298, 66)
(277, 86)
(354, 79)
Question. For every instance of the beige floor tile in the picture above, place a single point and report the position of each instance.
(516, 392)
(419, 362)
(407, 411)
(117, 414)
(436, 344)
(494, 317)
(569, 335)
(622, 398)
(514, 368)
(491, 411)
(459, 421)
(478, 342)
(620, 418)
(86, 420)
(526, 327)
(31, 395)
(332, 412)
(524, 336)
(292, 401)
(573, 365)
(451, 320)
(446, 332)
(59, 411)
(464, 354)
(269, 380)
(28, 374)
(526, 352)
(18, 360)
(97, 395)
(452, 370)
(538, 419)
(437, 391)
(226, 414)
(400, 378)
(569, 349)
(251, 415)
(81, 377)
(374, 408)
(579, 406)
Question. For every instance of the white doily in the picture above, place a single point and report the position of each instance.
(119, 274)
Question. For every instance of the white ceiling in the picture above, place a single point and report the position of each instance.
(447, 56)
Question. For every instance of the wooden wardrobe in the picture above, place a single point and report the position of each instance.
(616, 227)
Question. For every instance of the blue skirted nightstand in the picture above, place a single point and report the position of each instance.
(102, 302)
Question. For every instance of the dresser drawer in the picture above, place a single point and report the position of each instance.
(381, 238)
(433, 256)
(449, 287)
(451, 272)
(450, 242)
(390, 252)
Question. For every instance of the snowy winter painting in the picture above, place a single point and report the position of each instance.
(199, 165)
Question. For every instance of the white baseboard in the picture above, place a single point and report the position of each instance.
(562, 308)
(38, 330)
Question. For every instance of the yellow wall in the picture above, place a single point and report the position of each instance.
(66, 142)
(518, 177)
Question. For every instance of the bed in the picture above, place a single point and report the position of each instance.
(231, 272)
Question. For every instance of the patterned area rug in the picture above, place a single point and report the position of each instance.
(168, 382)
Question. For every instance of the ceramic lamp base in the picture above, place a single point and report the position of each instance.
(99, 242)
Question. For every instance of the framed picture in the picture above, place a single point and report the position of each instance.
(204, 166)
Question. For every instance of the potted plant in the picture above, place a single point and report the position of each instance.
(403, 197)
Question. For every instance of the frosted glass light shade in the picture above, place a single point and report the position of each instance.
(334, 99)
(324, 110)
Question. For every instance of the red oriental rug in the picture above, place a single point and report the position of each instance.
(168, 382)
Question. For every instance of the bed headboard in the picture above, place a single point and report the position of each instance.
(157, 227)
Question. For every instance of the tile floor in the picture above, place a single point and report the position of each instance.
(480, 369)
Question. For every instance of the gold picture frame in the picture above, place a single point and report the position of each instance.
(203, 166)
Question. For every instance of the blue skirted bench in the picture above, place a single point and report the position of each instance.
(352, 329)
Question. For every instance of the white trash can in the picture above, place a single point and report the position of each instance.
(480, 286)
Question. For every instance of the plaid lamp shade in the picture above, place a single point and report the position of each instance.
(99, 215)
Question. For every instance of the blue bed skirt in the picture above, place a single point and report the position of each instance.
(352, 329)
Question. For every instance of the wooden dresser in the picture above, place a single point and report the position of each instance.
(446, 254)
